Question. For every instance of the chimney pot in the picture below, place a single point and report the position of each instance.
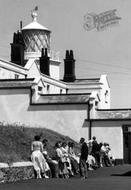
(71, 54)
(67, 54)
(20, 25)
(42, 52)
(44, 62)
(69, 67)
(46, 53)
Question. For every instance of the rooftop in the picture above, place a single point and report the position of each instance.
(16, 83)
(113, 114)
(34, 24)
(88, 80)
(63, 99)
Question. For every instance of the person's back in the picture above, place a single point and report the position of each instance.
(95, 147)
(37, 145)
(84, 151)
(96, 151)
(83, 158)
(39, 162)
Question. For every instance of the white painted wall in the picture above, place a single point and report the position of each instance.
(50, 87)
(33, 71)
(54, 70)
(104, 93)
(110, 133)
(101, 89)
(66, 119)
(7, 74)
(9, 70)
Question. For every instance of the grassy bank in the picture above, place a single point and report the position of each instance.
(15, 141)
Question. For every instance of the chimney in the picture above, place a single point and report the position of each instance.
(69, 67)
(21, 25)
(45, 62)
(17, 49)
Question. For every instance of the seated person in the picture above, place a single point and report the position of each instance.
(73, 158)
(62, 162)
(91, 162)
(53, 164)
(105, 148)
(64, 148)
(110, 155)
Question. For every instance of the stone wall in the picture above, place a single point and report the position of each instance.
(22, 171)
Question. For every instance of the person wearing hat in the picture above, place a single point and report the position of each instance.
(83, 159)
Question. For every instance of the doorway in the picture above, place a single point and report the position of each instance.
(127, 143)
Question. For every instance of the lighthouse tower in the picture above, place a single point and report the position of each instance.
(32, 42)
(35, 38)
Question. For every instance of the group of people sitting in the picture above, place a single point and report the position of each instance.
(66, 161)
(99, 154)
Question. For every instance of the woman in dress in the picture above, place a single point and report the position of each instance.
(53, 164)
(39, 162)
(63, 171)
(65, 148)
(73, 158)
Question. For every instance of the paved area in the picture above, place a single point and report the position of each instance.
(112, 178)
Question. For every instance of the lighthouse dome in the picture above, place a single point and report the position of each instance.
(34, 26)
(35, 37)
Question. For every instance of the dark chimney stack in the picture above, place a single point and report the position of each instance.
(14, 38)
(67, 54)
(20, 25)
(69, 67)
(17, 49)
(45, 62)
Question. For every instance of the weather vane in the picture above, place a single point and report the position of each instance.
(34, 14)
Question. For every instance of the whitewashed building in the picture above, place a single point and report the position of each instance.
(31, 93)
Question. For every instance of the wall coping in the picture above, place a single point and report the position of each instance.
(16, 164)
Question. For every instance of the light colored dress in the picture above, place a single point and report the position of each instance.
(67, 158)
(91, 160)
(38, 160)
(61, 162)
(73, 155)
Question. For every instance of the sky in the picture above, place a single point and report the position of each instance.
(96, 52)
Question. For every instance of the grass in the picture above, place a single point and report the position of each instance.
(15, 141)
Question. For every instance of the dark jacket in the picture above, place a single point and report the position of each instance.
(95, 147)
(84, 151)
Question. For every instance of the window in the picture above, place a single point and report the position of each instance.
(96, 104)
(48, 88)
(106, 96)
(60, 91)
(16, 76)
(39, 88)
(66, 91)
